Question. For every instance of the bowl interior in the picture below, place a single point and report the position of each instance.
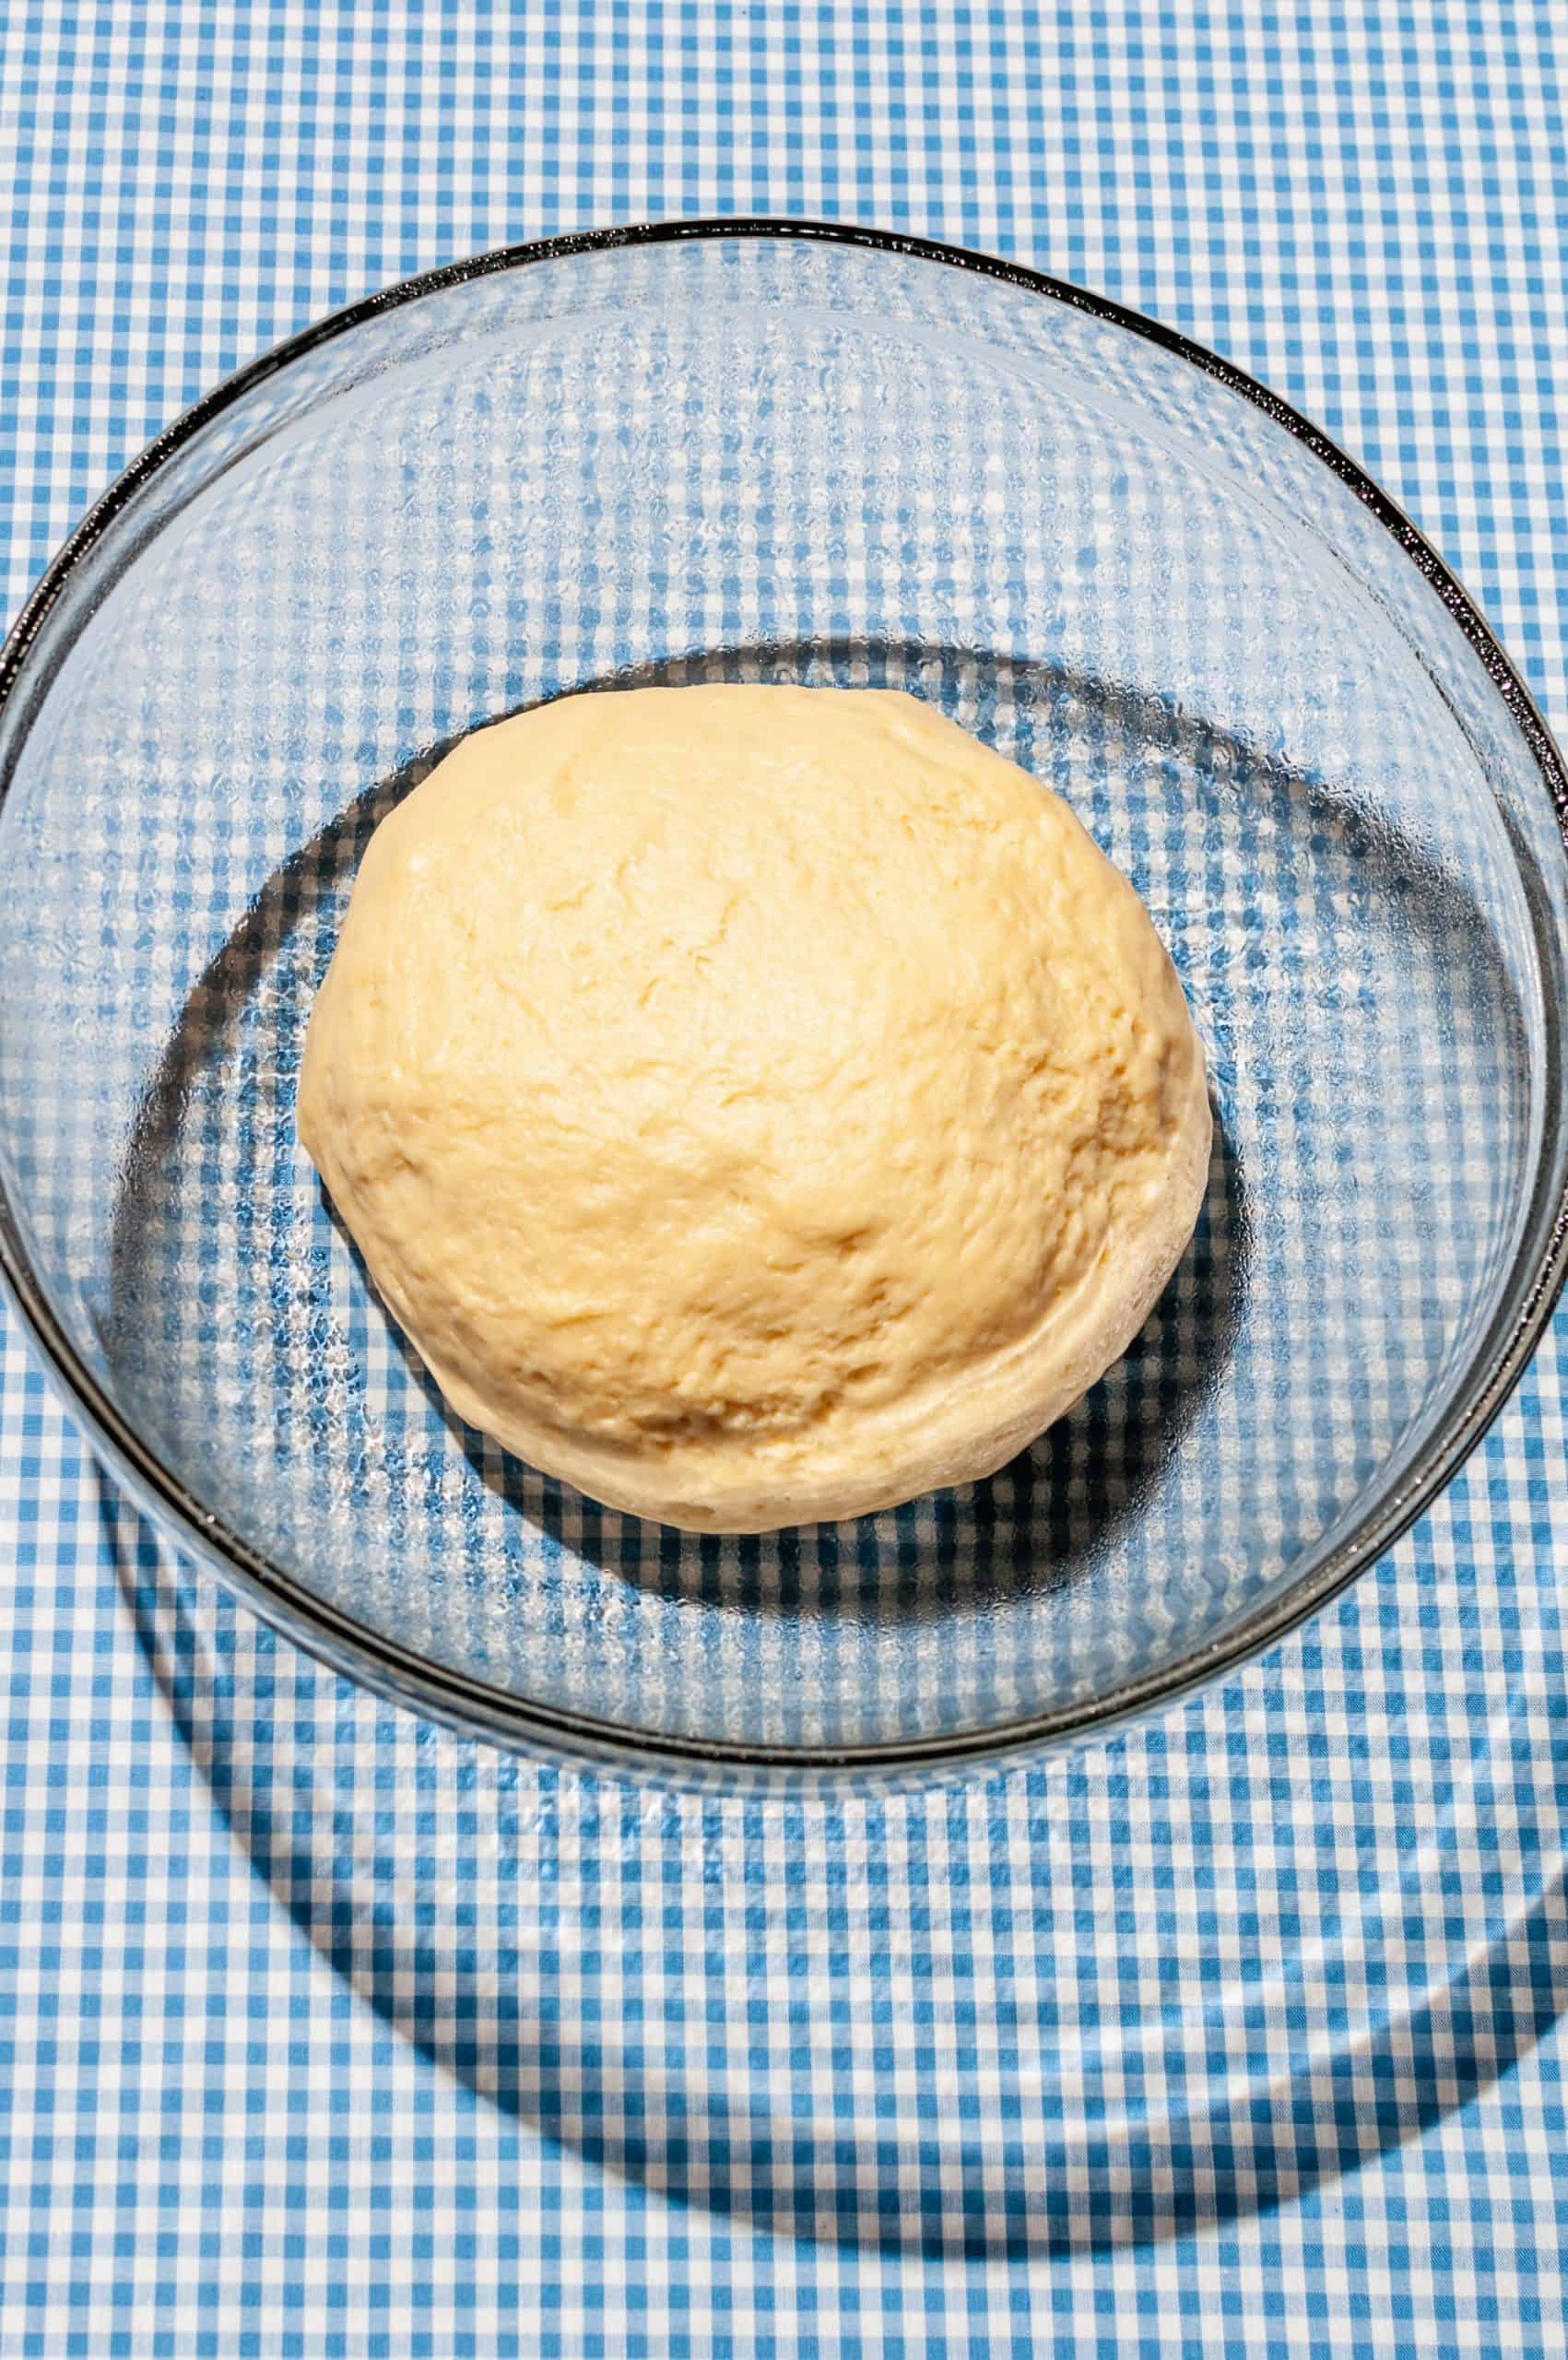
(751, 457)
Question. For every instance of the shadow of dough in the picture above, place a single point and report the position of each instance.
(1026, 1530)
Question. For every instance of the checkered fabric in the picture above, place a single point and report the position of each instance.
(324, 2033)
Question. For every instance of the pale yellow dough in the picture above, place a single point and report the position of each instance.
(757, 1104)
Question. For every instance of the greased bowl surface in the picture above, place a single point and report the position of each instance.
(771, 452)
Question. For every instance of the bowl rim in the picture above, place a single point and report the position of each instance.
(477, 1709)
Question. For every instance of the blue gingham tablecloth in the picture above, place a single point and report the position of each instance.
(321, 2032)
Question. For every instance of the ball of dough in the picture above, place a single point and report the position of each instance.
(757, 1104)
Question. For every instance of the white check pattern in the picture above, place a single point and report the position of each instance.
(320, 2033)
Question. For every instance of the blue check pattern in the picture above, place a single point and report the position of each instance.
(321, 2032)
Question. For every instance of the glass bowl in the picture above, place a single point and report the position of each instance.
(780, 452)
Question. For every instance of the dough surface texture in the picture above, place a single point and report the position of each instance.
(756, 1104)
